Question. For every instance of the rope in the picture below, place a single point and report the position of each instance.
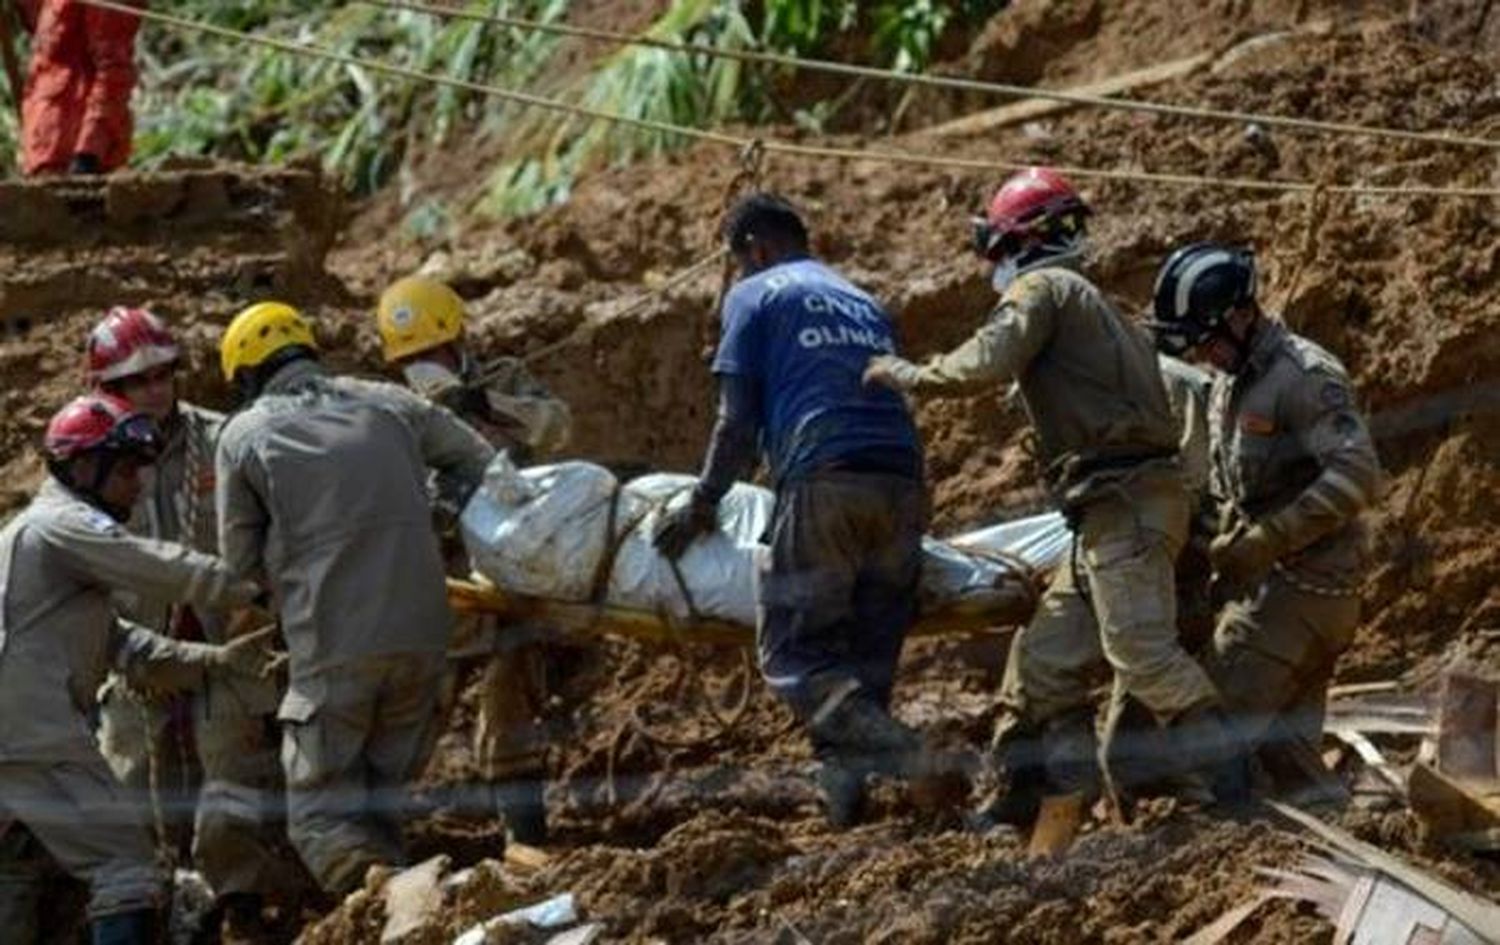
(643, 301)
(952, 83)
(778, 146)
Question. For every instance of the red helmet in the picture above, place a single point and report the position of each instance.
(1033, 202)
(100, 422)
(126, 342)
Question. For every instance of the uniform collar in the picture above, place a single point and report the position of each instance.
(1268, 338)
(175, 435)
(293, 376)
(54, 491)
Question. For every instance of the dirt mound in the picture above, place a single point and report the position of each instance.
(683, 807)
(1404, 290)
(195, 244)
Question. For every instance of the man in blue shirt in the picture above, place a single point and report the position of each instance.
(839, 590)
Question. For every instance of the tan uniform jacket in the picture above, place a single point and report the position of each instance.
(179, 507)
(1287, 438)
(60, 559)
(1188, 391)
(1089, 379)
(515, 411)
(321, 488)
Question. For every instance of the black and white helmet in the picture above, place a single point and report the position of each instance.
(1197, 288)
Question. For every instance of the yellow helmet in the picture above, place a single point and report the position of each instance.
(417, 314)
(259, 332)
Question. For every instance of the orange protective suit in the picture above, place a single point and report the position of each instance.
(78, 85)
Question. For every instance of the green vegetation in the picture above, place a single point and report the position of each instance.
(201, 95)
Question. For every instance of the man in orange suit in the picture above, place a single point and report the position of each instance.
(75, 110)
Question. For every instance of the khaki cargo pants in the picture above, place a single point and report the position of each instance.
(241, 814)
(1273, 656)
(84, 820)
(354, 739)
(221, 786)
(509, 742)
(131, 729)
(1112, 608)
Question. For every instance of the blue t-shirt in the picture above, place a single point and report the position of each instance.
(804, 334)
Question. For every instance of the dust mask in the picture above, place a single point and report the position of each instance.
(429, 378)
(1005, 273)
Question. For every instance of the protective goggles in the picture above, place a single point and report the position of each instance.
(990, 243)
(136, 435)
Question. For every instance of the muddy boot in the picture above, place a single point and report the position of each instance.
(843, 789)
(1301, 778)
(1070, 755)
(125, 928)
(866, 736)
(1213, 755)
(523, 805)
(1135, 756)
(1016, 759)
(855, 738)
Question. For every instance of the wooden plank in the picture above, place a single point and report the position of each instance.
(1453, 810)
(1371, 756)
(1482, 917)
(1224, 925)
(523, 856)
(1031, 109)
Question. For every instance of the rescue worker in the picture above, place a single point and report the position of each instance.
(421, 324)
(60, 560)
(838, 592)
(1136, 754)
(132, 355)
(75, 111)
(321, 488)
(1109, 447)
(1294, 466)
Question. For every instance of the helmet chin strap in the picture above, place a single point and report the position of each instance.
(1241, 346)
(1037, 256)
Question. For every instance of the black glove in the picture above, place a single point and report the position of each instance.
(677, 529)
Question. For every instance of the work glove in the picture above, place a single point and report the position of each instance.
(1243, 558)
(678, 528)
(247, 655)
(887, 370)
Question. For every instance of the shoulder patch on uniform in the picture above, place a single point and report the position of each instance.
(99, 521)
(1313, 356)
(1333, 395)
(1257, 424)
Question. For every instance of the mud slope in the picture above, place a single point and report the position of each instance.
(721, 843)
(672, 828)
(194, 243)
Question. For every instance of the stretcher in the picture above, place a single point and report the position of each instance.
(1011, 607)
(568, 549)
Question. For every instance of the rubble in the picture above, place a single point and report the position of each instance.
(723, 842)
